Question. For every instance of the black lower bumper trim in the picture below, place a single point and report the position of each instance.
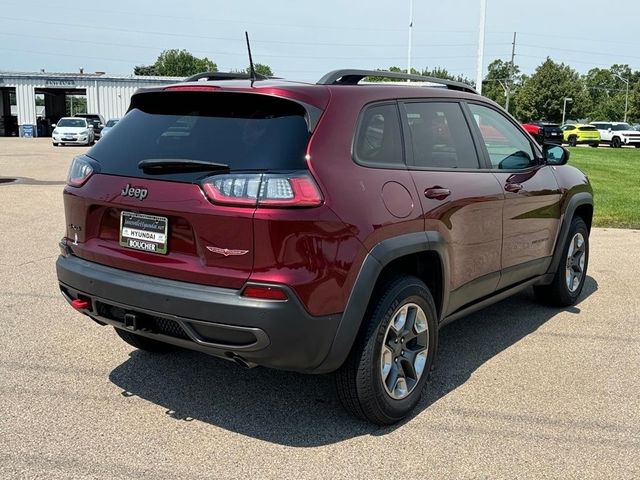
(218, 321)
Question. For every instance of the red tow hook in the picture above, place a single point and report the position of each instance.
(80, 304)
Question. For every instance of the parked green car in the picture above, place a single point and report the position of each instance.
(577, 134)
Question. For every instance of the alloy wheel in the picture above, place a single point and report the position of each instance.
(576, 256)
(404, 351)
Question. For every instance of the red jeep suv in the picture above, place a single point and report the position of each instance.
(329, 227)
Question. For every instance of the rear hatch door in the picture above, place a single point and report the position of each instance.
(156, 219)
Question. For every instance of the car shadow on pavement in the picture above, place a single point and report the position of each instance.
(303, 410)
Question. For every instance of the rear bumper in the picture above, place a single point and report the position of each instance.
(217, 321)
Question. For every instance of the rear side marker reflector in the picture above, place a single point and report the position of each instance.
(80, 304)
(264, 293)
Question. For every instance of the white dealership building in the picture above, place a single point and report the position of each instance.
(107, 95)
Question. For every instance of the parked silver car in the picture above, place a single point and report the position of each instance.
(109, 125)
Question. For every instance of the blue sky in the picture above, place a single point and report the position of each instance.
(302, 39)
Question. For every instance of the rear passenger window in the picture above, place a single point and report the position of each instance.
(440, 136)
(508, 147)
(378, 140)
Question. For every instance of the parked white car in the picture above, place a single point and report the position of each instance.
(617, 134)
(73, 131)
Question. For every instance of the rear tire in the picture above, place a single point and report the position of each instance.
(144, 343)
(573, 141)
(569, 279)
(595, 145)
(388, 366)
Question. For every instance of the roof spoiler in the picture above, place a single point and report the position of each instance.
(353, 77)
(223, 76)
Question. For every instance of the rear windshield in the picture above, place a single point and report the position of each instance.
(587, 129)
(244, 131)
(72, 122)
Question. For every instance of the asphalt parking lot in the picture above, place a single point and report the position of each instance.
(520, 391)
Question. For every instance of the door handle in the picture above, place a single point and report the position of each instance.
(437, 193)
(513, 187)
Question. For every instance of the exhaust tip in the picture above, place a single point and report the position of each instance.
(241, 361)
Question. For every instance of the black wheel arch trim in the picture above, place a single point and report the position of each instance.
(376, 260)
(576, 200)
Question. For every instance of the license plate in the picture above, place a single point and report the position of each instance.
(148, 233)
(69, 139)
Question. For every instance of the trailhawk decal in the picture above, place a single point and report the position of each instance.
(227, 252)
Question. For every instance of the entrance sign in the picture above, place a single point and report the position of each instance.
(60, 83)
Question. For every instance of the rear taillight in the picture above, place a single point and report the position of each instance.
(79, 172)
(263, 190)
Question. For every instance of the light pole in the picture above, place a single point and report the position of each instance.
(483, 18)
(626, 97)
(410, 38)
(564, 107)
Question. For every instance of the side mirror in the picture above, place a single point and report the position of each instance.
(101, 125)
(609, 129)
(90, 126)
(54, 125)
(555, 154)
(516, 161)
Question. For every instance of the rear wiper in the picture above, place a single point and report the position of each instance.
(166, 165)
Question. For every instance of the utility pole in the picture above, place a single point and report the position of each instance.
(511, 69)
(564, 107)
(626, 101)
(626, 97)
(410, 38)
(483, 16)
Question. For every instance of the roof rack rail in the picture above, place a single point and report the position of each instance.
(223, 76)
(353, 77)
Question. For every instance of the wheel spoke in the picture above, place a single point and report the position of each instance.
(408, 365)
(393, 377)
(399, 320)
(412, 312)
(386, 362)
(420, 324)
(401, 389)
(575, 280)
(419, 363)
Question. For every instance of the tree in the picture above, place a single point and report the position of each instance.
(502, 75)
(606, 92)
(177, 63)
(437, 72)
(261, 69)
(542, 95)
(145, 70)
(75, 104)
